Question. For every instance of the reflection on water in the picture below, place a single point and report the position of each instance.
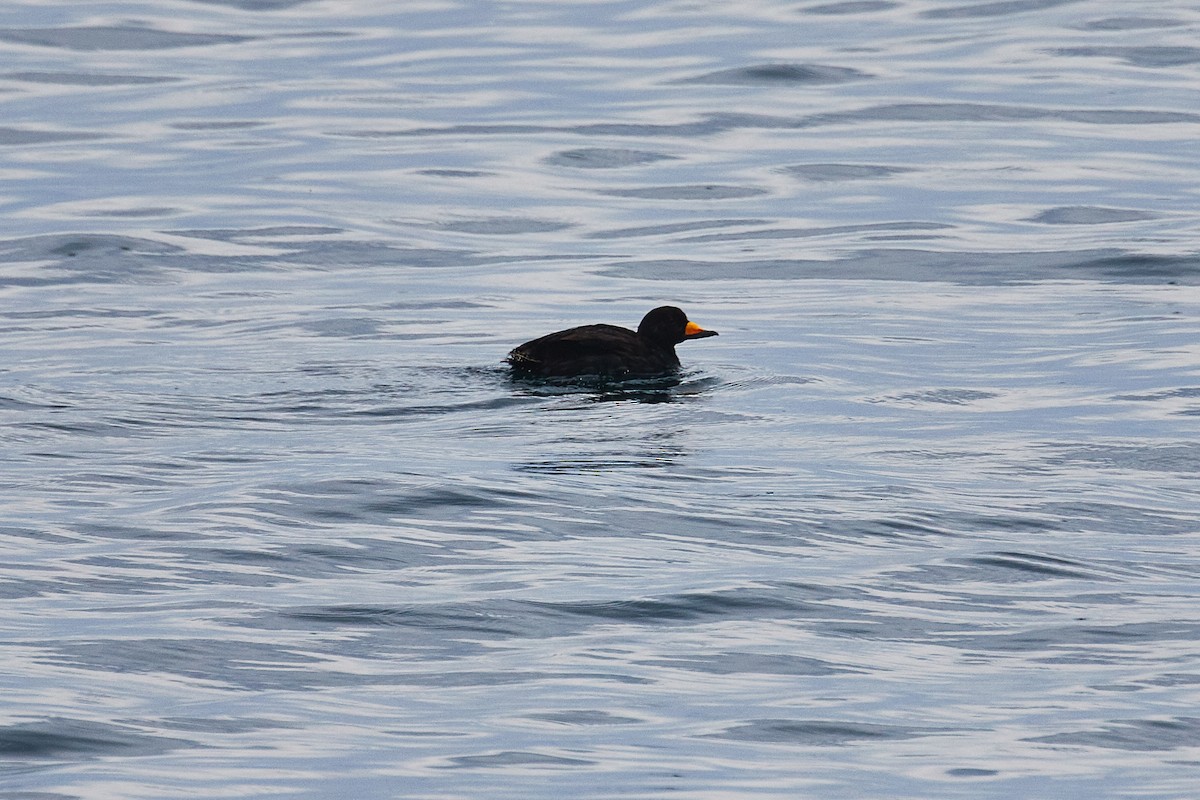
(601, 389)
(277, 519)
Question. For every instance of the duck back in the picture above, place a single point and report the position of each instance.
(606, 350)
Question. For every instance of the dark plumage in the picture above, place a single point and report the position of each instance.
(609, 351)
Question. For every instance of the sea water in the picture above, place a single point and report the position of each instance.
(921, 522)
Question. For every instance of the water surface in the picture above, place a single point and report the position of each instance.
(922, 521)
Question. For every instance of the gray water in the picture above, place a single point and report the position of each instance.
(921, 522)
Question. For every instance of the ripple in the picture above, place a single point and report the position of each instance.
(244, 664)
(603, 158)
(86, 78)
(994, 9)
(1090, 215)
(1037, 566)
(818, 732)
(671, 228)
(454, 173)
(749, 664)
(217, 125)
(1131, 23)
(740, 603)
(1183, 457)
(910, 228)
(711, 124)
(505, 226)
(114, 37)
(691, 192)
(851, 7)
(516, 758)
(778, 74)
(28, 136)
(992, 112)
(256, 5)
(971, 772)
(65, 738)
(923, 265)
(843, 172)
(584, 717)
(480, 621)
(1147, 56)
(1140, 735)
(949, 397)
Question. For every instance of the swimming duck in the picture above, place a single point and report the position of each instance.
(608, 350)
